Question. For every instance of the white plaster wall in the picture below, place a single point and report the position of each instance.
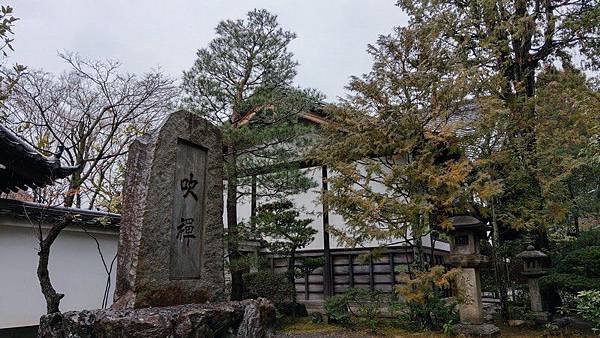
(75, 269)
(312, 208)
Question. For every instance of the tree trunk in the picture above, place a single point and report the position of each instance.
(291, 266)
(237, 286)
(291, 278)
(74, 185)
(52, 297)
(498, 268)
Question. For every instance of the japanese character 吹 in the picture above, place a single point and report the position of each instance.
(187, 186)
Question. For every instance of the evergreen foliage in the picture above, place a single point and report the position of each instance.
(270, 285)
(279, 224)
(576, 268)
(242, 81)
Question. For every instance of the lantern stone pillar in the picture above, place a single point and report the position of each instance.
(465, 254)
(533, 270)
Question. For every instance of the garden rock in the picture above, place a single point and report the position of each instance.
(476, 330)
(562, 322)
(517, 322)
(293, 309)
(248, 318)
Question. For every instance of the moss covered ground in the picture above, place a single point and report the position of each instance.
(304, 328)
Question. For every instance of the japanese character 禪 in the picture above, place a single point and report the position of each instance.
(185, 230)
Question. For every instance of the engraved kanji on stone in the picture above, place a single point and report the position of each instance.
(185, 230)
(188, 185)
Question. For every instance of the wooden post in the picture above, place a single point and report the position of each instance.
(351, 270)
(371, 281)
(253, 198)
(327, 268)
(306, 286)
(392, 274)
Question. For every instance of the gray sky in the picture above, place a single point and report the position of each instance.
(332, 34)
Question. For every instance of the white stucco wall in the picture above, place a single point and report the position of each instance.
(75, 268)
(312, 208)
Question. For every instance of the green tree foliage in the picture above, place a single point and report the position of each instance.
(459, 115)
(266, 284)
(242, 81)
(7, 22)
(8, 77)
(504, 44)
(394, 144)
(576, 265)
(568, 149)
(279, 224)
(588, 306)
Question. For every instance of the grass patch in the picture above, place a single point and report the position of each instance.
(305, 325)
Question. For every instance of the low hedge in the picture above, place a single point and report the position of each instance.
(273, 286)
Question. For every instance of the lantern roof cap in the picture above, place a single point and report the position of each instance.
(467, 223)
(531, 252)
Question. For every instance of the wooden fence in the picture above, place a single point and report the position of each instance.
(349, 269)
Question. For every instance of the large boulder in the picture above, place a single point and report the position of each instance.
(248, 318)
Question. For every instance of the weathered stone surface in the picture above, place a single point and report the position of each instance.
(173, 173)
(476, 330)
(248, 318)
(540, 317)
(517, 322)
(470, 309)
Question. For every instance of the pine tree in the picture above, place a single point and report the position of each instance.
(279, 224)
(242, 81)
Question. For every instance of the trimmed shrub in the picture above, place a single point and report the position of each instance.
(577, 269)
(588, 306)
(273, 286)
(424, 307)
(358, 306)
(337, 310)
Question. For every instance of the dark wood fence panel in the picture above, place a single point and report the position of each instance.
(352, 268)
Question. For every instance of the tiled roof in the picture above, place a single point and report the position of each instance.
(35, 212)
(23, 167)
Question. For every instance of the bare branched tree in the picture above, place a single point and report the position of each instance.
(92, 113)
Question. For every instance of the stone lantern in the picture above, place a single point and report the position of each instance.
(533, 270)
(465, 254)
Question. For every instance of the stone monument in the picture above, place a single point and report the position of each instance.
(533, 270)
(172, 225)
(170, 254)
(465, 254)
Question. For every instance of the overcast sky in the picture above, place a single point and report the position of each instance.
(142, 34)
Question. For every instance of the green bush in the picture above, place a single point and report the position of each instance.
(576, 269)
(587, 239)
(588, 306)
(337, 309)
(357, 306)
(436, 314)
(424, 306)
(273, 286)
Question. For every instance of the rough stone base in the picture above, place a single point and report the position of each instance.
(248, 318)
(476, 330)
(539, 318)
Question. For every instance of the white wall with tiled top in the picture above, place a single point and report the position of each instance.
(75, 268)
